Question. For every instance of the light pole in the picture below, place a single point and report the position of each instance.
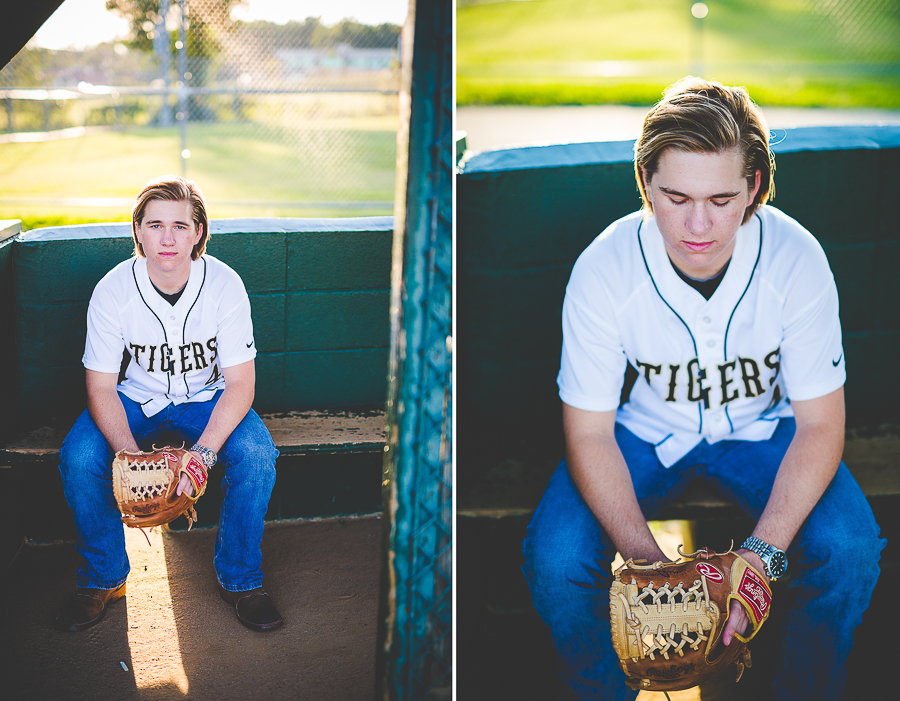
(182, 83)
(699, 10)
(162, 49)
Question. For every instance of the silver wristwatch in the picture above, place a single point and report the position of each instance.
(774, 560)
(209, 457)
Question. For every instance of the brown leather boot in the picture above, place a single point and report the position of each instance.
(87, 607)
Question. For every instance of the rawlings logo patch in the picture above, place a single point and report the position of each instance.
(710, 572)
(754, 591)
(195, 470)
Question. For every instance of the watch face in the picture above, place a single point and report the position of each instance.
(777, 563)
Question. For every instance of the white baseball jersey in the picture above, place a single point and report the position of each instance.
(177, 352)
(722, 369)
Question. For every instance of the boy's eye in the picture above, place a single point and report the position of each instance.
(720, 203)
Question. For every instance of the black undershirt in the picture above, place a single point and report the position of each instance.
(704, 287)
(173, 298)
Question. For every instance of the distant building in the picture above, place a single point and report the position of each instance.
(296, 63)
(366, 59)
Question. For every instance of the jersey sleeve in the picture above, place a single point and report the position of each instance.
(593, 361)
(234, 337)
(812, 355)
(104, 341)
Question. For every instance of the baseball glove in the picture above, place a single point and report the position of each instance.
(144, 486)
(667, 619)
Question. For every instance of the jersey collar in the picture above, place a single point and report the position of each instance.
(153, 298)
(677, 293)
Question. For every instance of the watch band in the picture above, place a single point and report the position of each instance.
(774, 560)
(209, 456)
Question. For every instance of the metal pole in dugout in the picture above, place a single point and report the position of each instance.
(415, 621)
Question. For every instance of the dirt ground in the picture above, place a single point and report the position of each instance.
(172, 637)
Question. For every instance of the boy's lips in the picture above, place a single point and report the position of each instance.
(698, 247)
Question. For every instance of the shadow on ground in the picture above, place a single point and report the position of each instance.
(173, 638)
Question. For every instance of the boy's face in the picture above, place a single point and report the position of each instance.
(699, 201)
(168, 235)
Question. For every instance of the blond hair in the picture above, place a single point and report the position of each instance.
(173, 189)
(702, 116)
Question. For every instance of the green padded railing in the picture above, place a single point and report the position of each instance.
(319, 291)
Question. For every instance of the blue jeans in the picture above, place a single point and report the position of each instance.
(832, 564)
(248, 459)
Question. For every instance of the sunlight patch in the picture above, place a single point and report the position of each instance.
(152, 629)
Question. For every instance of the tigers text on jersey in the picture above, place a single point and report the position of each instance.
(177, 352)
(717, 369)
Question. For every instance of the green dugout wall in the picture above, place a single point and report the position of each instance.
(523, 217)
(319, 291)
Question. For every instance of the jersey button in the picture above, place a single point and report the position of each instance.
(707, 320)
(710, 343)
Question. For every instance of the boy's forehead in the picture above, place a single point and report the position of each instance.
(677, 165)
(176, 209)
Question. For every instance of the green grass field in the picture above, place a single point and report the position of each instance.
(243, 170)
(842, 53)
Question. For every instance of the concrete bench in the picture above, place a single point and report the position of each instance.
(294, 433)
(873, 456)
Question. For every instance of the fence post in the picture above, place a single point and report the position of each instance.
(10, 115)
(162, 47)
(182, 82)
(415, 623)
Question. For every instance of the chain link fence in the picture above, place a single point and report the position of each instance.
(865, 30)
(835, 53)
(292, 119)
(826, 37)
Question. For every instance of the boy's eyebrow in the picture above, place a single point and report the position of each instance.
(160, 221)
(718, 196)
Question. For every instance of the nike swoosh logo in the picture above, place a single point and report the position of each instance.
(836, 362)
(251, 343)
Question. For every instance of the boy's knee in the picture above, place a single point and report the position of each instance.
(82, 456)
(261, 456)
(553, 568)
(252, 464)
(841, 534)
(850, 556)
(860, 555)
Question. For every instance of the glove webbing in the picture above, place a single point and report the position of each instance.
(148, 479)
(664, 642)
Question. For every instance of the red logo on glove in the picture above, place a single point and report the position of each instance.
(710, 572)
(195, 470)
(756, 593)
